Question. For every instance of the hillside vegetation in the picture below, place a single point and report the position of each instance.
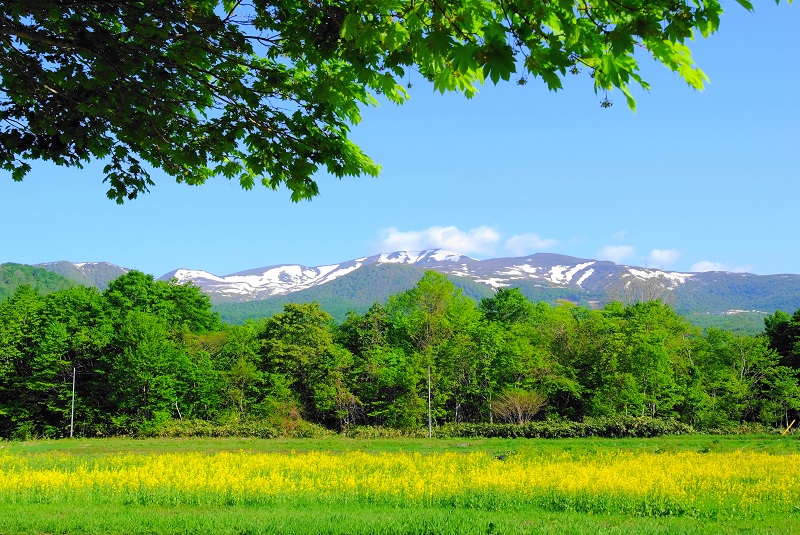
(44, 281)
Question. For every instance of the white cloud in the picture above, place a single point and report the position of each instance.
(663, 257)
(707, 265)
(522, 244)
(616, 253)
(480, 240)
(619, 235)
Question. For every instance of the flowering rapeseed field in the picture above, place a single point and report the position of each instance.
(700, 485)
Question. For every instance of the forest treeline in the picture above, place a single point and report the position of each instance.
(144, 353)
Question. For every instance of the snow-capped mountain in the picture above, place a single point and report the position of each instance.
(542, 269)
(541, 277)
(261, 283)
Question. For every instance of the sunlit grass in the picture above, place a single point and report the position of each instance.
(680, 489)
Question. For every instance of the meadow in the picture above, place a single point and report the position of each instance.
(694, 484)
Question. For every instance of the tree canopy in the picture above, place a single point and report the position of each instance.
(268, 91)
(147, 356)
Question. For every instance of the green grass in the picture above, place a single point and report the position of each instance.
(327, 518)
(771, 443)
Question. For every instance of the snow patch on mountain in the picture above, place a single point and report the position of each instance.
(445, 256)
(564, 274)
(416, 257)
(674, 277)
(494, 282)
(341, 272)
(586, 275)
(558, 274)
(403, 257)
(520, 270)
(188, 275)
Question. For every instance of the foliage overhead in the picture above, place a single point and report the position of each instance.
(268, 91)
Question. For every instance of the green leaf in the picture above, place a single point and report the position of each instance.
(499, 61)
(463, 58)
(396, 37)
(628, 97)
(350, 26)
(552, 80)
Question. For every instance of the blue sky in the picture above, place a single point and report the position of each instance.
(691, 181)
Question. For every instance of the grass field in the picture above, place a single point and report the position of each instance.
(696, 484)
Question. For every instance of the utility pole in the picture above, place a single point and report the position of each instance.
(72, 414)
(430, 426)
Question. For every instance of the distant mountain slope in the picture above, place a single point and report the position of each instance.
(541, 277)
(97, 274)
(12, 276)
(721, 291)
(579, 277)
(265, 282)
(745, 322)
(355, 291)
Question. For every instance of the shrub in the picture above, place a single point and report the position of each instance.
(517, 406)
(619, 427)
(369, 431)
(245, 428)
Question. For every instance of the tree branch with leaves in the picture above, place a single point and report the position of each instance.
(269, 91)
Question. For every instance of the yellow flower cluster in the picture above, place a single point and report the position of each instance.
(644, 483)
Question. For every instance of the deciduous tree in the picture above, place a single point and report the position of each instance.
(268, 91)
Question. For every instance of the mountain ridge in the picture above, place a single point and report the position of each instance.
(97, 274)
(541, 277)
(548, 270)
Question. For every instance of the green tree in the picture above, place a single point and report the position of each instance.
(19, 332)
(237, 362)
(508, 305)
(303, 364)
(150, 375)
(78, 332)
(431, 324)
(426, 316)
(783, 333)
(397, 380)
(527, 362)
(268, 91)
(204, 397)
(182, 306)
(384, 378)
(653, 333)
(43, 339)
(630, 359)
(745, 381)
